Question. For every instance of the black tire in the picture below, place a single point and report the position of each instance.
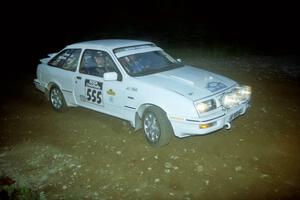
(157, 128)
(57, 99)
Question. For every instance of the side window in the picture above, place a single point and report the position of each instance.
(59, 59)
(96, 63)
(67, 59)
(72, 61)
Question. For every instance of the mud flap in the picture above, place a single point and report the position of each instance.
(138, 122)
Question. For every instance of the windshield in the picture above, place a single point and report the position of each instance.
(148, 63)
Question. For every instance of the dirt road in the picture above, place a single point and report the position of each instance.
(82, 154)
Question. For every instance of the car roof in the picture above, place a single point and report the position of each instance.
(108, 44)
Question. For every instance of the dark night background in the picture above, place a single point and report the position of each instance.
(255, 28)
(253, 43)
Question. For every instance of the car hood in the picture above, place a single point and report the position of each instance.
(190, 82)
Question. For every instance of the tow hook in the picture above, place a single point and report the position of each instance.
(227, 126)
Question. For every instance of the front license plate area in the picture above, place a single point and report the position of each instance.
(235, 115)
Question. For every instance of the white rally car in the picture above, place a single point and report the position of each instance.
(139, 82)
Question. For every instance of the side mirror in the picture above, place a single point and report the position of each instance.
(110, 76)
(179, 60)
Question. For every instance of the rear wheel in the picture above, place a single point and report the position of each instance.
(157, 127)
(57, 99)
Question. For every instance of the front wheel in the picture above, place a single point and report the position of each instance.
(157, 127)
(57, 99)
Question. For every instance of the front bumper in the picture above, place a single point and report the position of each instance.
(185, 127)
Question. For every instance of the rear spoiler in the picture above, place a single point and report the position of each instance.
(45, 60)
(50, 55)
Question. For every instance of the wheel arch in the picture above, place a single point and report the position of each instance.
(48, 88)
(140, 112)
(165, 133)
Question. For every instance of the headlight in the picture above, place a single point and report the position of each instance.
(245, 92)
(236, 96)
(230, 100)
(205, 106)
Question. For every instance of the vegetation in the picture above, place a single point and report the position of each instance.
(10, 191)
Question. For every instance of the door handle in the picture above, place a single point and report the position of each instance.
(78, 77)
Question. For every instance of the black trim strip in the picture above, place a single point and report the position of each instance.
(130, 97)
(129, 107)
(214, 118)
(67, 91)
(191, 120)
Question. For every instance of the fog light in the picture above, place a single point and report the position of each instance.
(202, 126)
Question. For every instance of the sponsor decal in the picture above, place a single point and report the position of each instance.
(110, 92)
(132, 89)
(93, 84)
(82, 98)
(215, 86)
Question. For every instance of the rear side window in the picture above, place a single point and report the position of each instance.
(67, 59)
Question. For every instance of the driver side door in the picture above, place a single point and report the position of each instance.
(93, 92)
(88, 83)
